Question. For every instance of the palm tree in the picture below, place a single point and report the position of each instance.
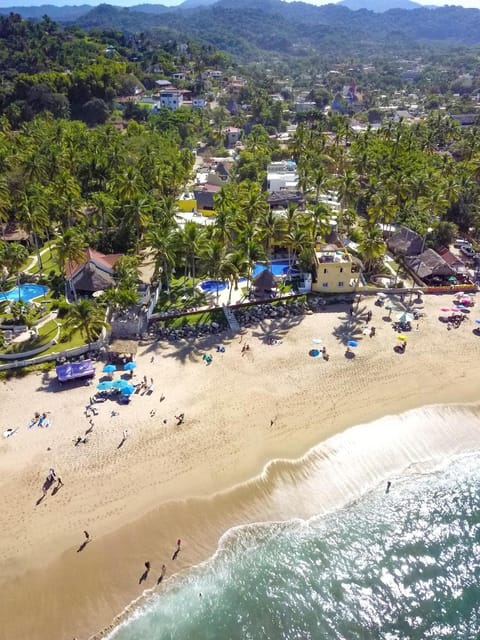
(191, 240)
(371, 246)
(217, 262)
(33, 216)
(162, 241)
(70, 250)
(87, 317)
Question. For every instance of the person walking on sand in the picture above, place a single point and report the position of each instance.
(389, 484)
(87, 536)
(162, 574)
(59, 482)
(177, 551)
(147, 565)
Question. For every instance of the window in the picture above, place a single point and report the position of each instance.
(325, 285)
(340, 284)
(325, 271)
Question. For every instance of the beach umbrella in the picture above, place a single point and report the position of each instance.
(103, 386)
(119, 384)
(445, 309)
(477, 321)
(316, 340)
(352, 343)
(452, 279)
(109, 368)
(314, 353)
(405, 317)
(129, 366)
(128, 390)
(402, 338)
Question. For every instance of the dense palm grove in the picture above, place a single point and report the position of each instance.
(116, 189)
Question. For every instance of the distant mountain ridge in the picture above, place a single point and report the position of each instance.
(246, 28)
(379, 6)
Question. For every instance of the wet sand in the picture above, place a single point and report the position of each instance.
(196, 481)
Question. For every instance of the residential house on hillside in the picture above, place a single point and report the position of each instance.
(233, 136)
(282, 175)
(204, 196)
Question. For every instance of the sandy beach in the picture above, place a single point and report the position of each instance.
(196, 480)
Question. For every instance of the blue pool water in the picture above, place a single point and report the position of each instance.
(213, 286)
(25, 292)
(277, 267)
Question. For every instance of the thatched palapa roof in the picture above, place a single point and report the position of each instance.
(265, 280)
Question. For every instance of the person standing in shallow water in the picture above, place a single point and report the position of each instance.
(389, 484)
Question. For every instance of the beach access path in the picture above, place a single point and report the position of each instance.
(167, 481)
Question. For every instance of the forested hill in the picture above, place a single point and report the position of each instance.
(247, 27)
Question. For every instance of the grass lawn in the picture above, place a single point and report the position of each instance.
(46, 333)
(75, 340)
(49, 263)
(196, 319)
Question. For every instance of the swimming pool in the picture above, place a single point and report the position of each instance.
(25, 293)
(212, 286)
(277, 267)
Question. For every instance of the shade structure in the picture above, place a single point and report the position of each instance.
(316, 340)
(129, 366)
(119, 384)
(128, 390)
(402, 338)
(405, 317)
(103, 386)
(477, 321)
(352, 343)
(109, 368)
(75, 370)
(452, 279)
(314, 353)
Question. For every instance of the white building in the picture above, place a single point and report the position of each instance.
(172, 99)
(282, 175)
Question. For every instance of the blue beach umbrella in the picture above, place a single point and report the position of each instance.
(109, 368)
(128, 390)
(352, 343)
(314, 353)
(103, 386)
(477, 321)
(129, 366)
(119, 384)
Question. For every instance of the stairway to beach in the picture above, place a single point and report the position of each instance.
(231, 319)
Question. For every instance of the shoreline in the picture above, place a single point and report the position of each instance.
(139, 501)
(464, 446)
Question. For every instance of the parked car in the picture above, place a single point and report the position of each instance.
(467, 251)
(459, 243)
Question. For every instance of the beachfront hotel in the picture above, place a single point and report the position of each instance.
(336, 270)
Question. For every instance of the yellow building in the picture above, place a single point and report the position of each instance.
(336, 270)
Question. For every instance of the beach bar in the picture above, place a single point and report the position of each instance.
(75, 370)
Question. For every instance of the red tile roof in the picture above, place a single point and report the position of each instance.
(103, 261)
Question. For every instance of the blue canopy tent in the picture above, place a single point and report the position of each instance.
(75, 370)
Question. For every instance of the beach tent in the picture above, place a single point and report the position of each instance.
(75, 370)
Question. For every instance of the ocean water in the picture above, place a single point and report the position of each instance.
(382, 567)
